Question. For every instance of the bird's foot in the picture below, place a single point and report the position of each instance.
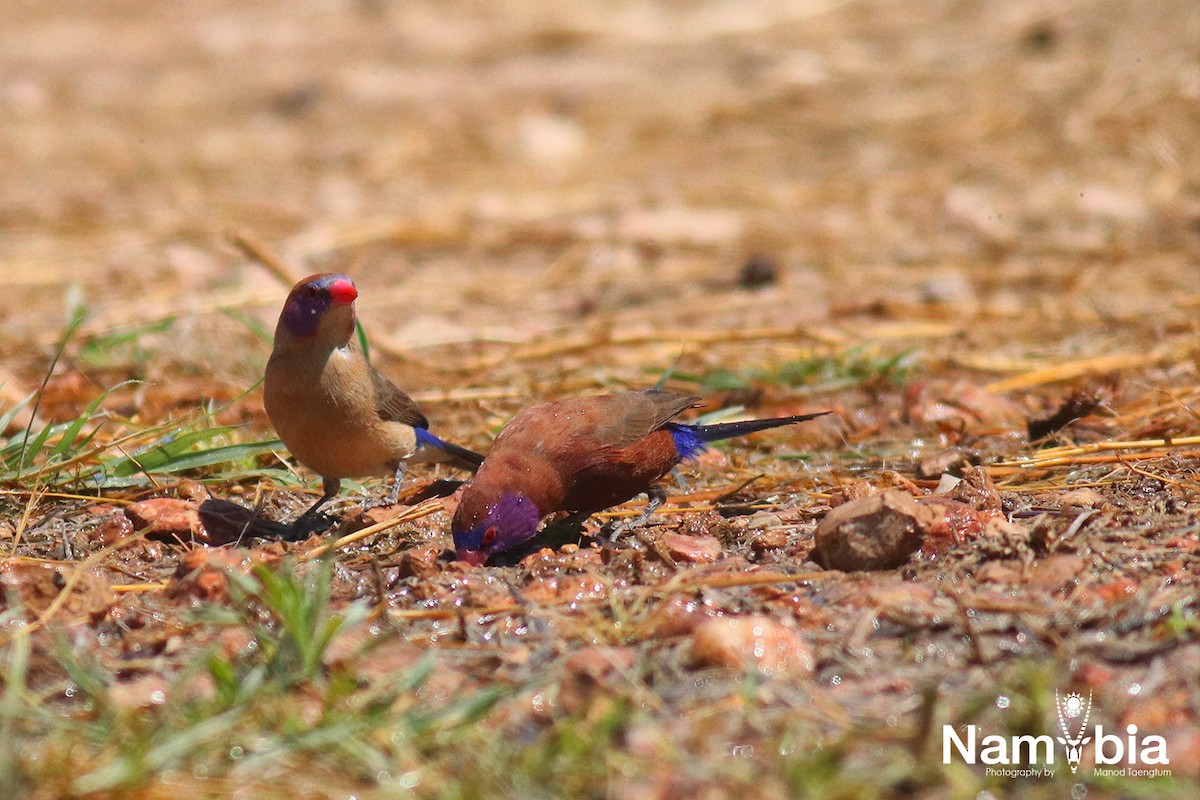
(615, 530)
(368, 503)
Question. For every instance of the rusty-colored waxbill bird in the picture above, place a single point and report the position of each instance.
(581, 455)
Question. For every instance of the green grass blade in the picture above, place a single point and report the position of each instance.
(8, 416)
(72, 327)
(179, 454)
(66, 443)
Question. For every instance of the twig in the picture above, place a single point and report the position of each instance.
(257, 251)
(416, 512)
(1161, 478)
(125, 588)
(1075, 369)
(1057, 456)
(65, 496)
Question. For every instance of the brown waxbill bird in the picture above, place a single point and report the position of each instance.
(338, 415)
(581, 455)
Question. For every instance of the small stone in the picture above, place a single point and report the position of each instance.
(419, 562)
(899, 597)
(113, 528)
(961, 405)
(753, 642)
(1116, 591)
(204, 573)
(592, 673)
(852, 490)
(859, 488)
(1004, 572)
(188, 489)
(35, 585)
(1081, 499)
(876, 532)
(679, 616)
(550, 139)
(954, 522)
(977, 490)
(946, 484)
(1057, 573)
(763, 520)
(949, 461)
(692, 549)
(168, 519)
(139, 692)
(770, 539)
(758, 271)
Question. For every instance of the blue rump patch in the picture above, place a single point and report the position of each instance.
(688, 443)
(427, 439)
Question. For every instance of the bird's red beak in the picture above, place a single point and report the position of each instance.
(475, 558)
(342, 292)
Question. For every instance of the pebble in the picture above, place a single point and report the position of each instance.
(752, 642)
(872, 533)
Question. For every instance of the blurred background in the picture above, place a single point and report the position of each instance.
(1020, 173)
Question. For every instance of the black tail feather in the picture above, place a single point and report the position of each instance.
(728, 430)
(461, 457)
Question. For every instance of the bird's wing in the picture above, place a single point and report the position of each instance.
(394, 405)
(622, 419)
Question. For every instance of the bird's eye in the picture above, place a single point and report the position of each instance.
(489, 536)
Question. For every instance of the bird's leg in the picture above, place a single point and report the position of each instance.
(304, 524)
(657, 496)
(397, 477)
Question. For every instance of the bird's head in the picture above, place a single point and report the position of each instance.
(480, 530)
(320, 305)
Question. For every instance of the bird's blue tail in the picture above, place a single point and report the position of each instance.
(457, 456)
(692, 440)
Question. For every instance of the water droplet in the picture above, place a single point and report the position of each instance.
(1003, 701)
(236, 752)
(1135, 689)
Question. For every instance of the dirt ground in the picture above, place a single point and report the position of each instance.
(944, 220)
